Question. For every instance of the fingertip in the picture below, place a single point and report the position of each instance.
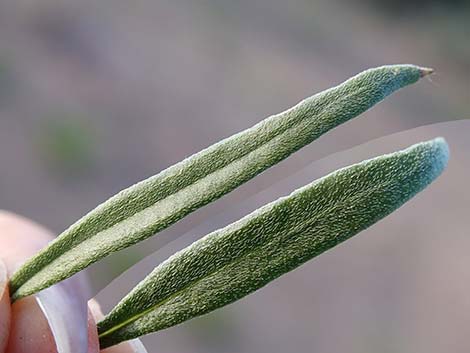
(95, 309)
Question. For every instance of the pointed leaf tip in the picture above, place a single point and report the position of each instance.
(425, 71)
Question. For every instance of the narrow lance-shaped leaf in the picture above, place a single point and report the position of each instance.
(232, 262)
(153, 204)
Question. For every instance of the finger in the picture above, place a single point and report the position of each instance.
(4, 307)
(30, 329)
(133, 346)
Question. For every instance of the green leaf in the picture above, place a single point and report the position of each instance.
(232, 262)
(154, 204)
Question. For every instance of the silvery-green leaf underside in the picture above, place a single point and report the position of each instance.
(234, 261)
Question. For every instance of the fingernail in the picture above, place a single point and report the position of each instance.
(137, 346)
(67, 315)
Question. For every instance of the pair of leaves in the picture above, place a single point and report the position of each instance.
(236, 260)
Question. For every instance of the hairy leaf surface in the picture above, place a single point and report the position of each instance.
(154, 204)
(234, 261)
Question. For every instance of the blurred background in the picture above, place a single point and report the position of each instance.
(97, 95)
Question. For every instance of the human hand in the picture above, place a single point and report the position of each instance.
(23, 325)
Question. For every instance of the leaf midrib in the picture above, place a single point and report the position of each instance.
(294, 230)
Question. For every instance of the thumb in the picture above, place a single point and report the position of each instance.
(52, 320)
